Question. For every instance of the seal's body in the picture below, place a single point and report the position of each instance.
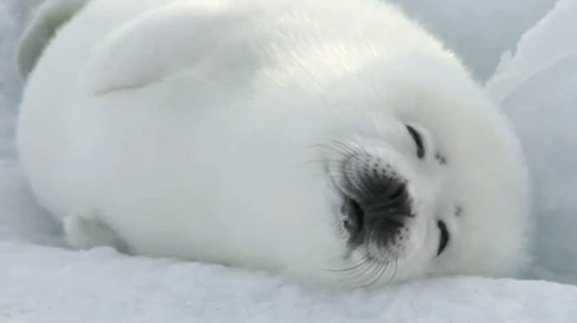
(331, 140)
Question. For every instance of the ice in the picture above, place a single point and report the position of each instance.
(41, 282)
(537, 87)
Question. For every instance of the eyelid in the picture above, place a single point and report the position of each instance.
(418, 141)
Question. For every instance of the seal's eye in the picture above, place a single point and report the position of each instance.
(444, 237)
(418, 140)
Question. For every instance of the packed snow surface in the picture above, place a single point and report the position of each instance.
(49, 285)
(535, 82)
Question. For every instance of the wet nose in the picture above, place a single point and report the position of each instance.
(381, 203)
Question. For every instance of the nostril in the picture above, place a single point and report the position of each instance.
(355, 217)
(358, 212)
(397, 193)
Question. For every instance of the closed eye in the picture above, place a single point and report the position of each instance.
(444, 237)
(418, 141)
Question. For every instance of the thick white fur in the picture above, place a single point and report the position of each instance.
(190, 129)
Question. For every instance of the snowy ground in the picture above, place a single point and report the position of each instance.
(535, 82)
(102, 286)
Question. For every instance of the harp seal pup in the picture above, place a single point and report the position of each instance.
(330, 141)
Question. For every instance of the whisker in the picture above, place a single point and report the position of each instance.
(359, 279)
(363, 262)
(394, 271)
(382, 268)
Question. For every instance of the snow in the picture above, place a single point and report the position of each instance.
(102, 286)
(42, 282)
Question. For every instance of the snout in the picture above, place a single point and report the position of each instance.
(376, 203)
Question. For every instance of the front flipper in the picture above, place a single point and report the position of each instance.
(158, 45)
(87, 233)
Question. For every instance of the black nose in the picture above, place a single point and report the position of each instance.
(377, 205)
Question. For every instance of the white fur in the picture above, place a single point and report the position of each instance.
(196, 129)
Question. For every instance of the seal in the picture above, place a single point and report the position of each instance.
(331, 141)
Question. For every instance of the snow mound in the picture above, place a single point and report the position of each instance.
(49, 285)
(536, 86)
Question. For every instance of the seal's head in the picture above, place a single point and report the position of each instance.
(433, 183)
(394, 209)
